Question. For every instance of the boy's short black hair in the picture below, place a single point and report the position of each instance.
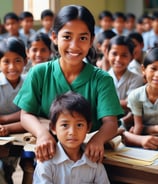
(11, 15)
(47, 12)
(155, 15)
(119, 15)
(130, 15)
(25, 14)
(70, 102)
(136, 36)
(107, 34)
(105, 13)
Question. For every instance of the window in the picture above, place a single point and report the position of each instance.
(36, 7)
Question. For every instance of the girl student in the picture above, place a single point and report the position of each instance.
(12, 61)
(143, 103)
(73, 35)
(38, 50)
(120, 53)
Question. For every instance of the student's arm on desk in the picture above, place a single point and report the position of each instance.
(145, 141)
(10, 118)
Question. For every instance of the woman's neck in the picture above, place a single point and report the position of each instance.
(71, 71)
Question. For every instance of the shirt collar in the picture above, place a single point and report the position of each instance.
(61, 157)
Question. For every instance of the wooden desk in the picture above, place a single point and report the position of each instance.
(127, 173)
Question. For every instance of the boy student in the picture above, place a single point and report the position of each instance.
(70, 116)
(12, 24)
(130, 22)
(151, 37)
(26, 22)
(135, 65)
(119, 20)
(47, 20)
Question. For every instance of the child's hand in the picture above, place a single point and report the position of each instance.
(3, 131)
(45, 148)
(149, 142)
(95, 150)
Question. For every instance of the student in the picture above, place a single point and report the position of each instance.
(12, 61)
(105, 20)
(102, 42)
(119, 20)
(47, 20)
(143, 103)
(130, 22)
(151, 37)
(73, 34)
(120, 53)
(70, 120)
(38, 50)
(139, 26)
(135, 65)
(26, 22)
(12, 25)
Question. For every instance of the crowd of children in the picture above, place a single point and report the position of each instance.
(121, 87)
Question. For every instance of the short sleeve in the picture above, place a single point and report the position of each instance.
(134, 103)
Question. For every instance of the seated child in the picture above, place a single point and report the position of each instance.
(70, 120)
(120, 53)
(102, 43)
(135, 65)
(12, 61)
(26, 22)
(12, 25)
(38, 50)
(47, 20)
(143, 103)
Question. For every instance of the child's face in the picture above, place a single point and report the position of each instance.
(71, 130)
(12, 65)
(106, 23)
(47, 22)
(130, 24)
(74, 41)
(155, 25)
(38, 52)
(119, 24)
(27, 23)
(151, 75)
(119, 58)
(147, 24)
(103, 47)
(12, 26)
(137, 50)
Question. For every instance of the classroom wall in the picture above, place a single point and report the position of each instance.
(96, 6)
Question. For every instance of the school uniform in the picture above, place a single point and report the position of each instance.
(127, 83)
(140, 105)
(46, 80)
(60, 169)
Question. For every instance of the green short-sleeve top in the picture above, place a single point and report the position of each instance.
(45, 81)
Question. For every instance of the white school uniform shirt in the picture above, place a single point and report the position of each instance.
(126, 84)
(135, 67)
(7, 94)
(61, 170)
(140, 105)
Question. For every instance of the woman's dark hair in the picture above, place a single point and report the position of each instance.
(151, 56)
(73, 12)
(122, 40)
(12, 44)
(70, 102)
(40, 37)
